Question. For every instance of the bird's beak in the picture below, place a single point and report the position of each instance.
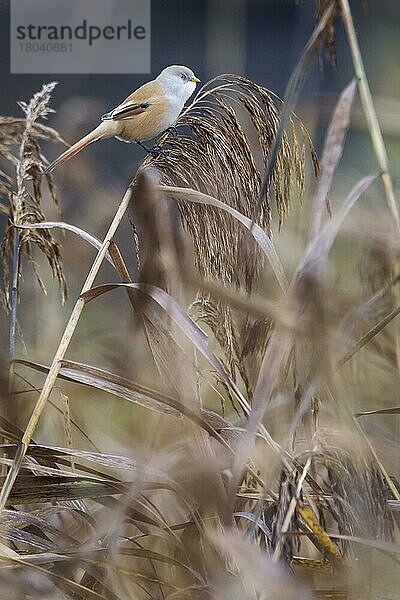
(195, 79)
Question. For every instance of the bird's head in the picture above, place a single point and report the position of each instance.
(178, 80)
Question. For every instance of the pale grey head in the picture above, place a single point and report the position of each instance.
(178, 81)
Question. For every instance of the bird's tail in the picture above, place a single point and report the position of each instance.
(93, 136)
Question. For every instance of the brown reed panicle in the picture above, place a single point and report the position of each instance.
(329, 33)
(20, 146)
(227, 132)
(359, 502)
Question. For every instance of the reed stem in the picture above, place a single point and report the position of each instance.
(369, 110)
(60, 353)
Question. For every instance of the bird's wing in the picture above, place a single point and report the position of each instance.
(125, 111)
(136, 103)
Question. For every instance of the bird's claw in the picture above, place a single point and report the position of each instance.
(173, 131)
(156, 151)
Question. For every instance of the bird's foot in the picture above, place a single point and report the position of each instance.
(173, 131)
(157, 150)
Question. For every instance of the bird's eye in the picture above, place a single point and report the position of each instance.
(183, 76)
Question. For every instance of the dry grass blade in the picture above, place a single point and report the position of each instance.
(49, 557)
(367, 337)
(333, 149)
(318, 250)
(133, 392)
(56, 479)
(14, 434)
(63, 583)
(91, 239)
(106, 460)
(395, 410)
(38, 541)
(378, 544)
(257, 521)
(119, 386)
(263, 240)
(39, 489)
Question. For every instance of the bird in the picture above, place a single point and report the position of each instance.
(143, 115)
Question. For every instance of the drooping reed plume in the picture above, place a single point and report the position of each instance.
(20, 148)
(224, 142)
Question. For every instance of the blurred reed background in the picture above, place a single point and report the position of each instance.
(192, 487)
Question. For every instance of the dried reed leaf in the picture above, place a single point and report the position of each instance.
(39, 489)
(256, 520)
(333, 149)
(262, 238)
(91, 239)
(378, 544)
(318, 250)
(367, 337)
(395, 410)
(119, 386)
(61, 582)
(12, 433)
(18, 519)
(139, 394)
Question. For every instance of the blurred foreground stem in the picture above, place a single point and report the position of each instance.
(13, 308)
(369, 110)
(60, 353)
